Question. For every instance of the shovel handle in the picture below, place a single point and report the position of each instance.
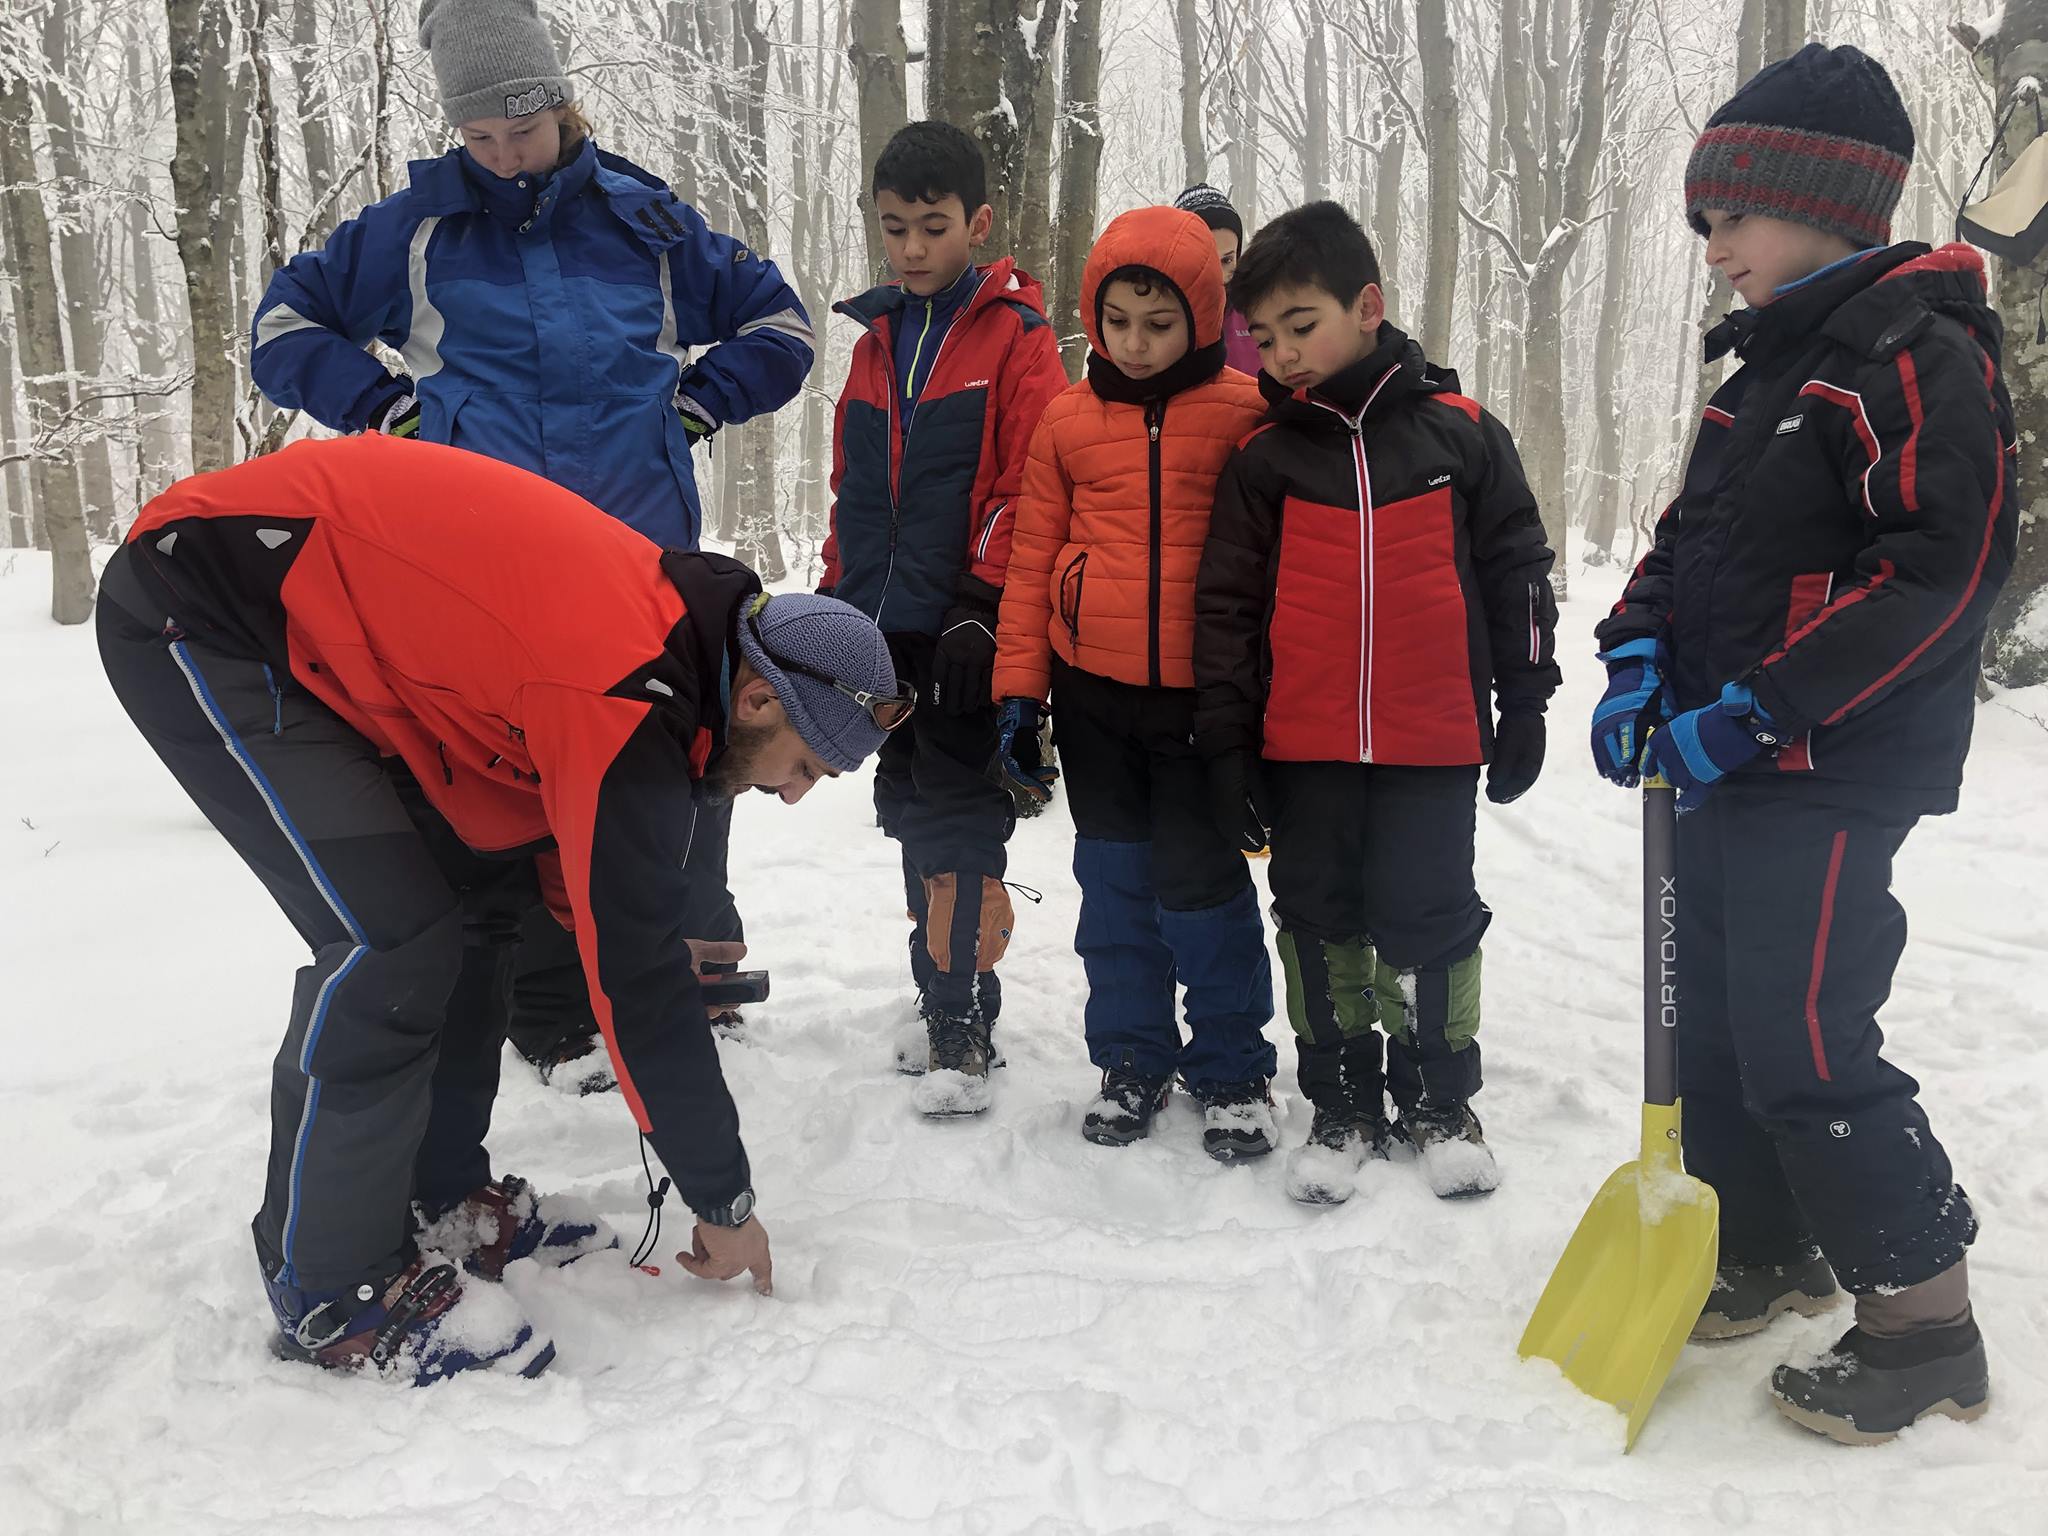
(1660, 942)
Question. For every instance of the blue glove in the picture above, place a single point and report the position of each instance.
(1632, 704)
(1700, 747)
(1030, 784)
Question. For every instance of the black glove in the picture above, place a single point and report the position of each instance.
(965, 662)
(1517, 757)
(1237, 794)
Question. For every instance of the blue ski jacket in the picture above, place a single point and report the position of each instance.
(552, 322)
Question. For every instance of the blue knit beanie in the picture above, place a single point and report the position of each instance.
(827, 636)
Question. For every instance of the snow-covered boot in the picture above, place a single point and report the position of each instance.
(421, 1326)
(1746, 1297)
(1123, 1112)
(955, 1080)
(1323, 1170)
(1871, 1386)
(506, 1221)
(1455, 1157)
(1237, 1120)
(578, 1066)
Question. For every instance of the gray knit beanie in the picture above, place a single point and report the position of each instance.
(493, 58)
(835, 639)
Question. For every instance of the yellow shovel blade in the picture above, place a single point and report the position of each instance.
(1633, 1279)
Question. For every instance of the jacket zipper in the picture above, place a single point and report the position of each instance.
(1155, 418)
(1368, 574)
(898, 452)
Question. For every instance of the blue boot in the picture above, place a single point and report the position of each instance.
(419, 1327)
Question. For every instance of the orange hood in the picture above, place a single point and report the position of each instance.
(1175, 244)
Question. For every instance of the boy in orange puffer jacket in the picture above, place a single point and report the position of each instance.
(1100, 612)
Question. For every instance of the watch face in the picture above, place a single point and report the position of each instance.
(743, 1207)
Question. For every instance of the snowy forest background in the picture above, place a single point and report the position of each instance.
(1518, 163)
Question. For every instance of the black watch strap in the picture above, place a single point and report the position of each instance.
(732, 1215)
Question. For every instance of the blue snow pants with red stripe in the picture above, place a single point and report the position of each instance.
(1788, 936)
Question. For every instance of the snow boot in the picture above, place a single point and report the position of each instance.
(1455, 1157)
(1323, 1169)
(1870, 1386)
(1237, 1120)
(421, 1326)
(1123, 1112)
(579, 1066)
(506, 1221)
(955, 1080)
(1747, 1297)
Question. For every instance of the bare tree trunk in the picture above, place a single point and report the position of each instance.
(15, 494)
(1440, 124)
(1030, 77)
(158, 460)
(2014, 62)
(1488, 326)
(316, 129)
(1608, 351)
(683, 51)
(877, 52)
(759, 536)
(1315, 97)
(41, 338)
(83, 307)
(1194, 151)
(1784, 29)
(198, 36)
(1080, 175)
(1246, 107)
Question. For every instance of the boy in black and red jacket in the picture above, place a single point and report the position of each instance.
(1375, 568)
(1800, 650)
(928, 450)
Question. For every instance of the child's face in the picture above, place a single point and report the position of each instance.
(1761, 254)
(1226, 250)
(1143, 333)
(930, 244)
(1307, 334)
(515, 146)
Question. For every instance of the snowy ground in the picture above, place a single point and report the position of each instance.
(978, 1327)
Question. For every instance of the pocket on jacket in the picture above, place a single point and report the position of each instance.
(1809, 594)
(1070, 580)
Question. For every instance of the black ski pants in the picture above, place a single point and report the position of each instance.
(936, 795)
(381, 1091)
(1788, 935)
(1383, 854)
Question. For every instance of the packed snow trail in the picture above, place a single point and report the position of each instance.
(979, 1326)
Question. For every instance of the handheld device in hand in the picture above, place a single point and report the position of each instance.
(734, 988)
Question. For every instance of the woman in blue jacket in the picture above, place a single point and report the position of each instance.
(557, 308)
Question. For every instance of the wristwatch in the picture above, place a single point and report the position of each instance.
(733, 1215)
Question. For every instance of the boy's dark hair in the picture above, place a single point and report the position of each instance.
(928, 162)
(1317, 245)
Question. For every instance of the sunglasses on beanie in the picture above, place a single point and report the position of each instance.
(887, 710)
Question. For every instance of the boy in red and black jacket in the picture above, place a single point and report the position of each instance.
(1375, 568)
(933, 428)
(1803, 638)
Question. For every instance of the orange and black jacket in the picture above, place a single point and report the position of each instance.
(1847, 517)
(1375, 565)
(552, 678)
(1121, 479)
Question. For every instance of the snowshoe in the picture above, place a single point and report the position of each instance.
(955, 1080)
(422, 1326)
(505, 1221)
(1870, 1386)
(1237, 1120)
(1322, 1170)
(1123, 1111)
(1453, 1150)
(1746, 1297)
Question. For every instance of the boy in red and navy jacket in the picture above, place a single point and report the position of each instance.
(933, 428)
(1375, 567)
(1803, 639)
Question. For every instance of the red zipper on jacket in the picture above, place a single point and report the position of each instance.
(1368, 575)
